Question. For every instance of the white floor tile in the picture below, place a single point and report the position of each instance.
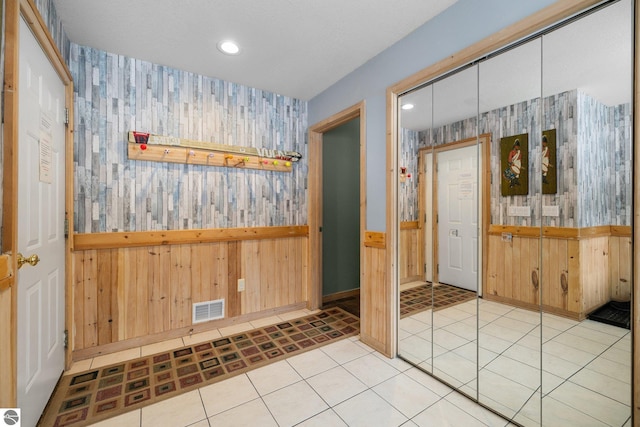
(201, 337)
(295, 403)
(508, 393)
(456, 366)
(227, 394)
(446, 414)
(461, 329)
(555, 412)
(265, 321)
(273, 377)
(448, 340)
(429, 382)
(235, 329)
(311, 363)
(615, 354)
(557, 348)
(559, 367)
(344, 351)
(413, 326)
(406, 395)
(593, 335)
(593, 404)
(79, 366)
(485, 416)
(525, 355)
(336, 385)
(371, 370)
(327, 418)
(517, 371)
(368, 409)
(181, 410)
(252, 413)
(120, 356)
(159, 347)
(619, 371)
(603, 384)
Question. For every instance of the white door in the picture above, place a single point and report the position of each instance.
(41, 192)
(457, 175)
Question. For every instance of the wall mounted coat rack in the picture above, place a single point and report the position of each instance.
(158, 148)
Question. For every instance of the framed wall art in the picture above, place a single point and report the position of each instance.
(549, 169)
(514, 163)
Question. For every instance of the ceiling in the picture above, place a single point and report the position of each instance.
(295, 48)
(593, 54)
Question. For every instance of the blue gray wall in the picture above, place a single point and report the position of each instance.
(116, 94)
(466, 22)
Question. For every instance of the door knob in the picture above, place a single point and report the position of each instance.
(32, 260)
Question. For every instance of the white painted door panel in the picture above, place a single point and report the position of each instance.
(41, 192)
(458, 217)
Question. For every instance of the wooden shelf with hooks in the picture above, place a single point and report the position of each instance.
(199, 156)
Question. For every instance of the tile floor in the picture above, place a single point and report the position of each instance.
(341, 384)
(585, 379)
(586, 366)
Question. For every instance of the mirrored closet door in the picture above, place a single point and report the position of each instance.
(586, 172)
(515, 208)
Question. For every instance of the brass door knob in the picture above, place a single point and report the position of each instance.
(32, 260)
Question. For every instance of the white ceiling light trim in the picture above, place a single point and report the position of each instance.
(229, 47)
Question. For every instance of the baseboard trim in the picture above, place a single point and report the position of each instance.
(340, 295)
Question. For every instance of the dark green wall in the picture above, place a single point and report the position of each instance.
(341, 208)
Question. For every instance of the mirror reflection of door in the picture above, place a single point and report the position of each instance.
(457, 177)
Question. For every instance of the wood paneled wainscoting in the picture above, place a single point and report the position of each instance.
(137, 288)
(573, 271)
(411, 262)
(376, 295)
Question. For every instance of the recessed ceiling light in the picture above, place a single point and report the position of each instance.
(229, 47)
(407, 107)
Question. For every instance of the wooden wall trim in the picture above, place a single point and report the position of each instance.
(561, 232)
(316, 132)
(375, 239)
(409, 225)
(177, 237)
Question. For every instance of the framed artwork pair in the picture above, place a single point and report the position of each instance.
(514, 164)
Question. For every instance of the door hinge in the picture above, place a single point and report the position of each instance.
(65, 337)
(320, 229)
(66, 116)
(438, 268)
(66, 228)
(425, 268)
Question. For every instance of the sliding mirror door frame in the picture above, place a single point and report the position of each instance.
(557, 12)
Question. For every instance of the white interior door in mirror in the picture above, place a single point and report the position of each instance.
(458, 217)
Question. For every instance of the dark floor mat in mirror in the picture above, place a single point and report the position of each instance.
(613, 313)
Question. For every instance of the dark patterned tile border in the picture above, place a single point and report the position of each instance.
(421, 298)
(84, 398)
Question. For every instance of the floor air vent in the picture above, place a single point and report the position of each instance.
(208, 310)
